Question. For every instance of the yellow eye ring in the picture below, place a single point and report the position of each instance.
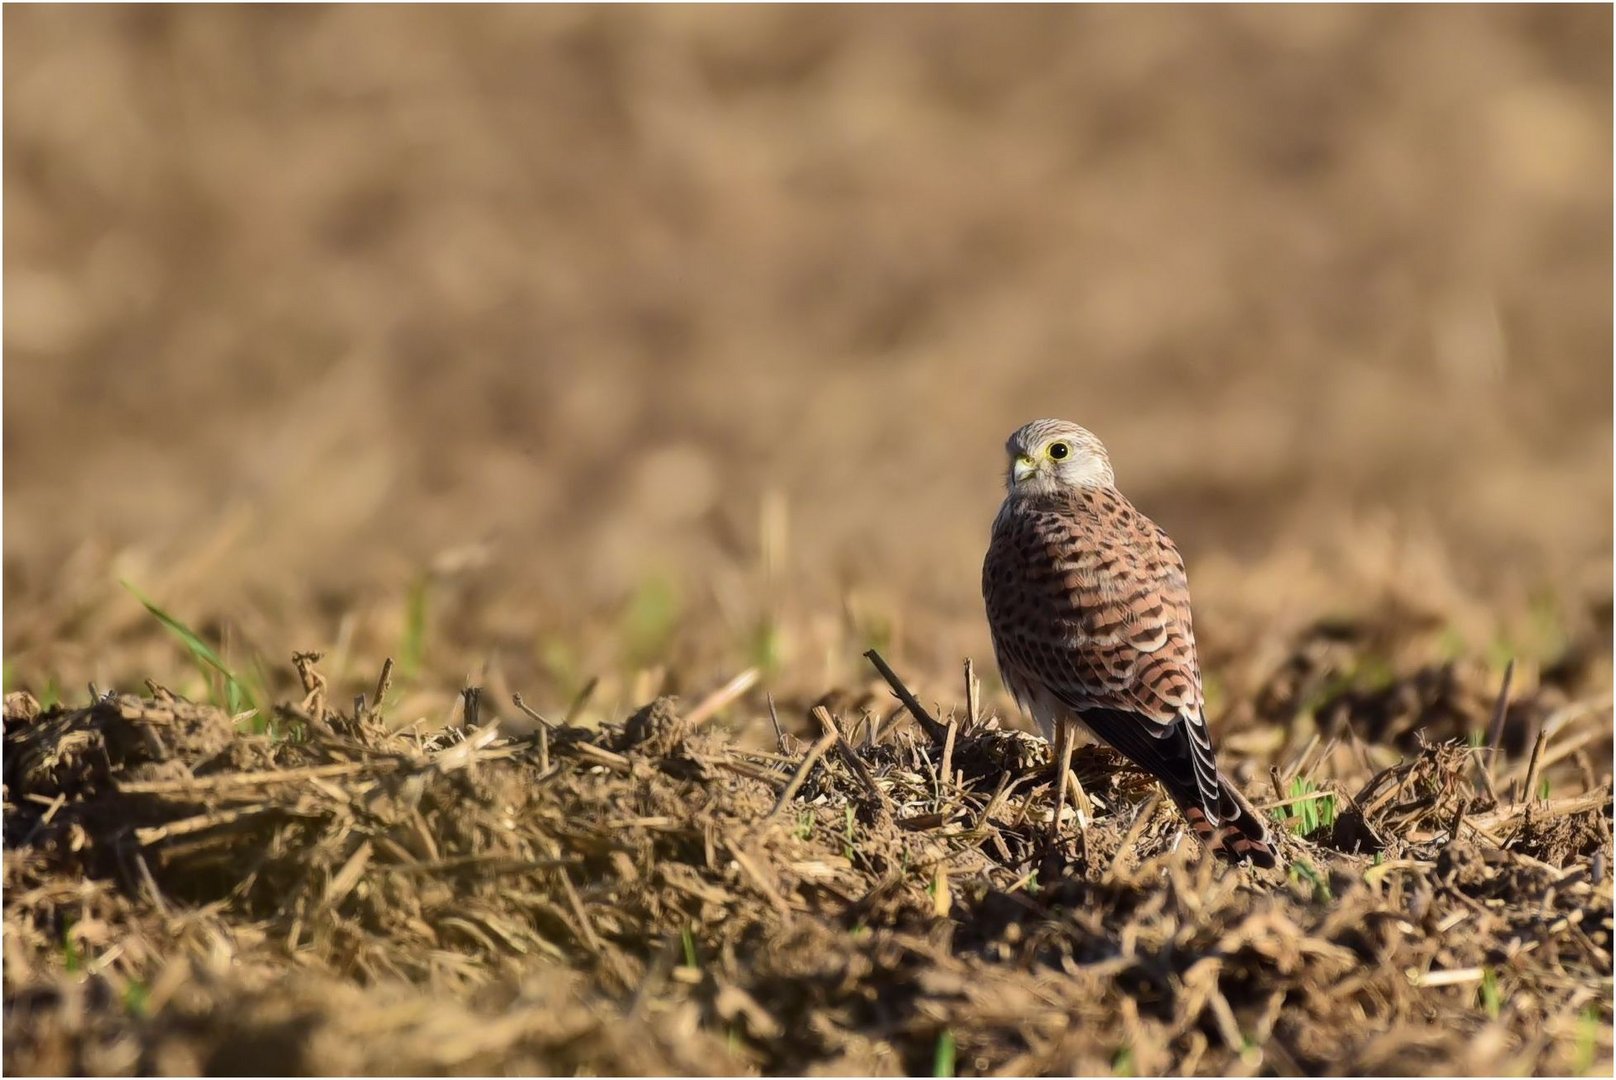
(1059, 451)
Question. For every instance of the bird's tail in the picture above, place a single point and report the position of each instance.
(1239, 834)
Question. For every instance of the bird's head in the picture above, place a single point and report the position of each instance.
(1050, 456)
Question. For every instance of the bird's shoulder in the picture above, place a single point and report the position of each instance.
(1084, 520)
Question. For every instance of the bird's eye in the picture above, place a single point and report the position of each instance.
(1060, 451)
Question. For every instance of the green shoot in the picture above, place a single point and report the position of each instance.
(1587, 1042)
(135, 995)
(1309, 812)
(562, 663)
(649, 623)
(235, 698)
(1303, 871)
(1122, 1062)
(1491, 1002)
(805, 825)
(412, 651)
(72, 959)
(766, 649)
(1452, 645)
(943, 1060)
(1369, 673)
(875, 632)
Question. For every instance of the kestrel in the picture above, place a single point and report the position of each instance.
(1090, 614)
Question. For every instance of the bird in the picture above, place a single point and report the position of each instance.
(1088, 606)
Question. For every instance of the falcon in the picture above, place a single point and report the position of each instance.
(1089, 609)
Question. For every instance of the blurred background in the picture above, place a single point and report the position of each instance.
(570, 340)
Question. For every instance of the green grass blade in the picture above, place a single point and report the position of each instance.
(237, 698)
(943, 1062)
(412, 652)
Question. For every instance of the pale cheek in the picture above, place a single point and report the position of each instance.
(1078, 473)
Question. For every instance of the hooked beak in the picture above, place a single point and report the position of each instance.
(1023, 467)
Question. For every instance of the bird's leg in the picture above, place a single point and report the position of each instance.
(1065, 742)
(1080, 800)
(1063, 770)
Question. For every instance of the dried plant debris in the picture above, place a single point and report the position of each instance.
(655, 897)
(1373, 678)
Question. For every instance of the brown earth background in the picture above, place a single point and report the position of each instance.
(547, 344)
(302, 300)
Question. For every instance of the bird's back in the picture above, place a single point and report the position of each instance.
(1089, 595)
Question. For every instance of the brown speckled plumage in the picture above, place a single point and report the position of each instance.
(1089, 609)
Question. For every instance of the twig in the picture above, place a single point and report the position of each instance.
(774, 718)
(464, 752)
(1301, 759)
(656, 974)
(1569, 744)
(1485, 766)
(1135, 828)
(937, 732)
(1495, 731)
(342, 883)
(1486, 774)
(755, 875)
(44, 820)
(254, 779)
(827, 723)
(313, 686)
(750, 771)
(1458, 820)
(151, 885)
(1544, 811)
(1006, 788)
(472, 696)
(383, 683)
(709, 706)
(1535, 764)
(948, 755)
(577, 905)
(149, 836)
(544, 731)
(1450, 977)
(602, 756)
(516, 699)
(973, 696)
(814, 752)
